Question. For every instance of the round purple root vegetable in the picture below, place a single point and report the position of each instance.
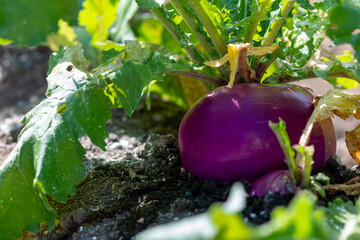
(276, 181)
(226, 135)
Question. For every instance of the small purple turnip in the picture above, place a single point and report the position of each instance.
(226, 135)
(276, 181)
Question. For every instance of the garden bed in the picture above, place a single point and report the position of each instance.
(138, 182)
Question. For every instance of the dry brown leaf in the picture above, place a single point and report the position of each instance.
(352, 140)
(237, 57)
(192, 89)
(342, 104)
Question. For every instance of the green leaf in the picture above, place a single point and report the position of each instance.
(302, 41)
(97, 17)
(305, 4)
(21, 205)
(343, 71)
(110, 57)
(90, 52)
(326, 5)
(29, 22)
(344, 217)
(150, 4)
(201, 226)
(235, 19)
(280, 131)
(150, 30)
(73, 55)
(299, 221)
(137, 69)
(124, 12)
(48, 157)
(344, 82)
(170, 88)
(130, 82)
(345, 19)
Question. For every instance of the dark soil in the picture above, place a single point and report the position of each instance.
(138, 182)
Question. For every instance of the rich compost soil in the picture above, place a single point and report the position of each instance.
(138, 182)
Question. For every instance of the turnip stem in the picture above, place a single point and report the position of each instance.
(193, 27)
(209, 26)
(280, 132)
(170, 26)
(199, 75)
(276, 25)
(256, 21)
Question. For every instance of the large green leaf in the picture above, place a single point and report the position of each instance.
(127, 95)
(48, 156)
(302, 41)
(27, 22)
(235, 19)
(21, 205)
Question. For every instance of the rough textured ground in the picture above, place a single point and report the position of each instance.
(138, 182)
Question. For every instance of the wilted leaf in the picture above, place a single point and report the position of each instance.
(342, 104)
(352, 139)
(192, 89)
(337, 102)
(69, 54)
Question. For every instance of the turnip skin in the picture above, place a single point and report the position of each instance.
(276, 181)
(225, 136)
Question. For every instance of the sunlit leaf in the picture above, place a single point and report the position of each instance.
(342, 104)
(97, 17)
(121, 29)
(48, 157)
(65, 36)
(5, 41)
(352, 139)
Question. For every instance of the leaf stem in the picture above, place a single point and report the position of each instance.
(256, 21)
(288, 79)
(193, 27)
(280, 132)
(198, 75)
(170, 26)
(209, 26)
(276, 25)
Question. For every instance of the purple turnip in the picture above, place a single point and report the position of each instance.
(226, 135)
(276, 181)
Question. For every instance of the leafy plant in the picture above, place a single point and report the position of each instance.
(213, 41)
(300, 220)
